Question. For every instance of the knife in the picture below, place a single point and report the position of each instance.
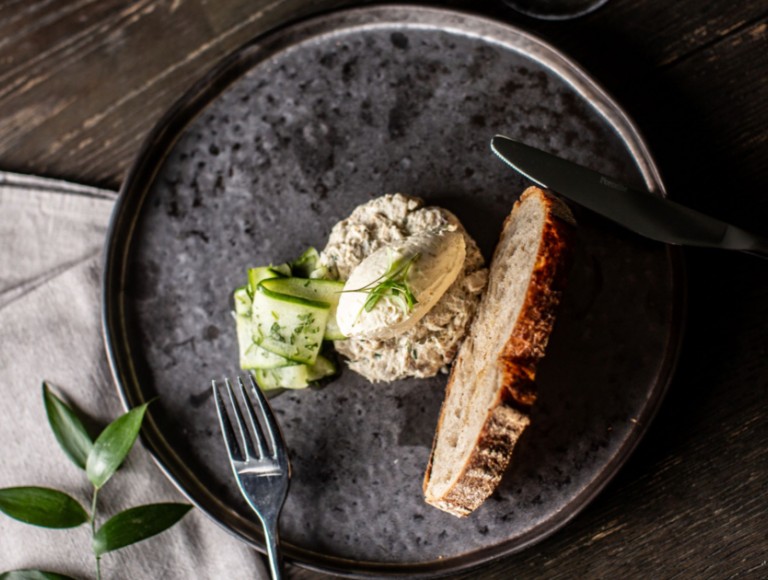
(642, 212)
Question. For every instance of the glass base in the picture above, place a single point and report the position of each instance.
(555, 9)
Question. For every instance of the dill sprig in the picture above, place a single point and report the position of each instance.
(392, 283)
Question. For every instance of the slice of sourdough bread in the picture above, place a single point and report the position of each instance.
(491, 386)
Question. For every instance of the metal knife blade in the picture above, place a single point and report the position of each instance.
(642, 212)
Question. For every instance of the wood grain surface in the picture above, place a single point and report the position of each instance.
(83, 81)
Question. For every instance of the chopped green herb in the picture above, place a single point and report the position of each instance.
(392, 283)
(307, 320)
(274, 332)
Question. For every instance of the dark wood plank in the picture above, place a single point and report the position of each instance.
(663, 32)
(718, 126)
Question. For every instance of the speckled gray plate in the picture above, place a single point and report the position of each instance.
(285, 138)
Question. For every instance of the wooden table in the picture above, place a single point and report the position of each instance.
(83, 81)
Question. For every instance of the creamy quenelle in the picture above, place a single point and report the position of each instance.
(430, 262)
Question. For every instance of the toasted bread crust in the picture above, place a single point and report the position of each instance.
(482, 472)
(526, 346)
(508, 416)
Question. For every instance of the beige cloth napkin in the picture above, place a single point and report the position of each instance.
(51, 237)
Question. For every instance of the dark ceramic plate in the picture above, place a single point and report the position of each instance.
(277, 144)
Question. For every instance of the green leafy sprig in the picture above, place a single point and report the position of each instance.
(392, 283)
(100, 459)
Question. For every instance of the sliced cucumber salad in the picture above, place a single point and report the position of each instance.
(284, 318)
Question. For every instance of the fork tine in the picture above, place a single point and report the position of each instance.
(250, 450)
(230, 439)
(275, 437)
(255, 425)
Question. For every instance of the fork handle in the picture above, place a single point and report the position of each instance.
(273, 550)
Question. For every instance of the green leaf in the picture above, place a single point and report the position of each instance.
(41, 506)
(137, 524)
(112, 446)
(33, 575)
(68, 429)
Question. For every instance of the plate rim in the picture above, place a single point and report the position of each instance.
(161, 139)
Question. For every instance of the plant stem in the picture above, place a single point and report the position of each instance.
(93, 529)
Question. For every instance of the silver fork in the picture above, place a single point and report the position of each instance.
(263, 470)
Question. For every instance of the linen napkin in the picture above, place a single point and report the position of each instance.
(51, 238)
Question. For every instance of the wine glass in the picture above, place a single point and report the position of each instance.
(555, 9)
